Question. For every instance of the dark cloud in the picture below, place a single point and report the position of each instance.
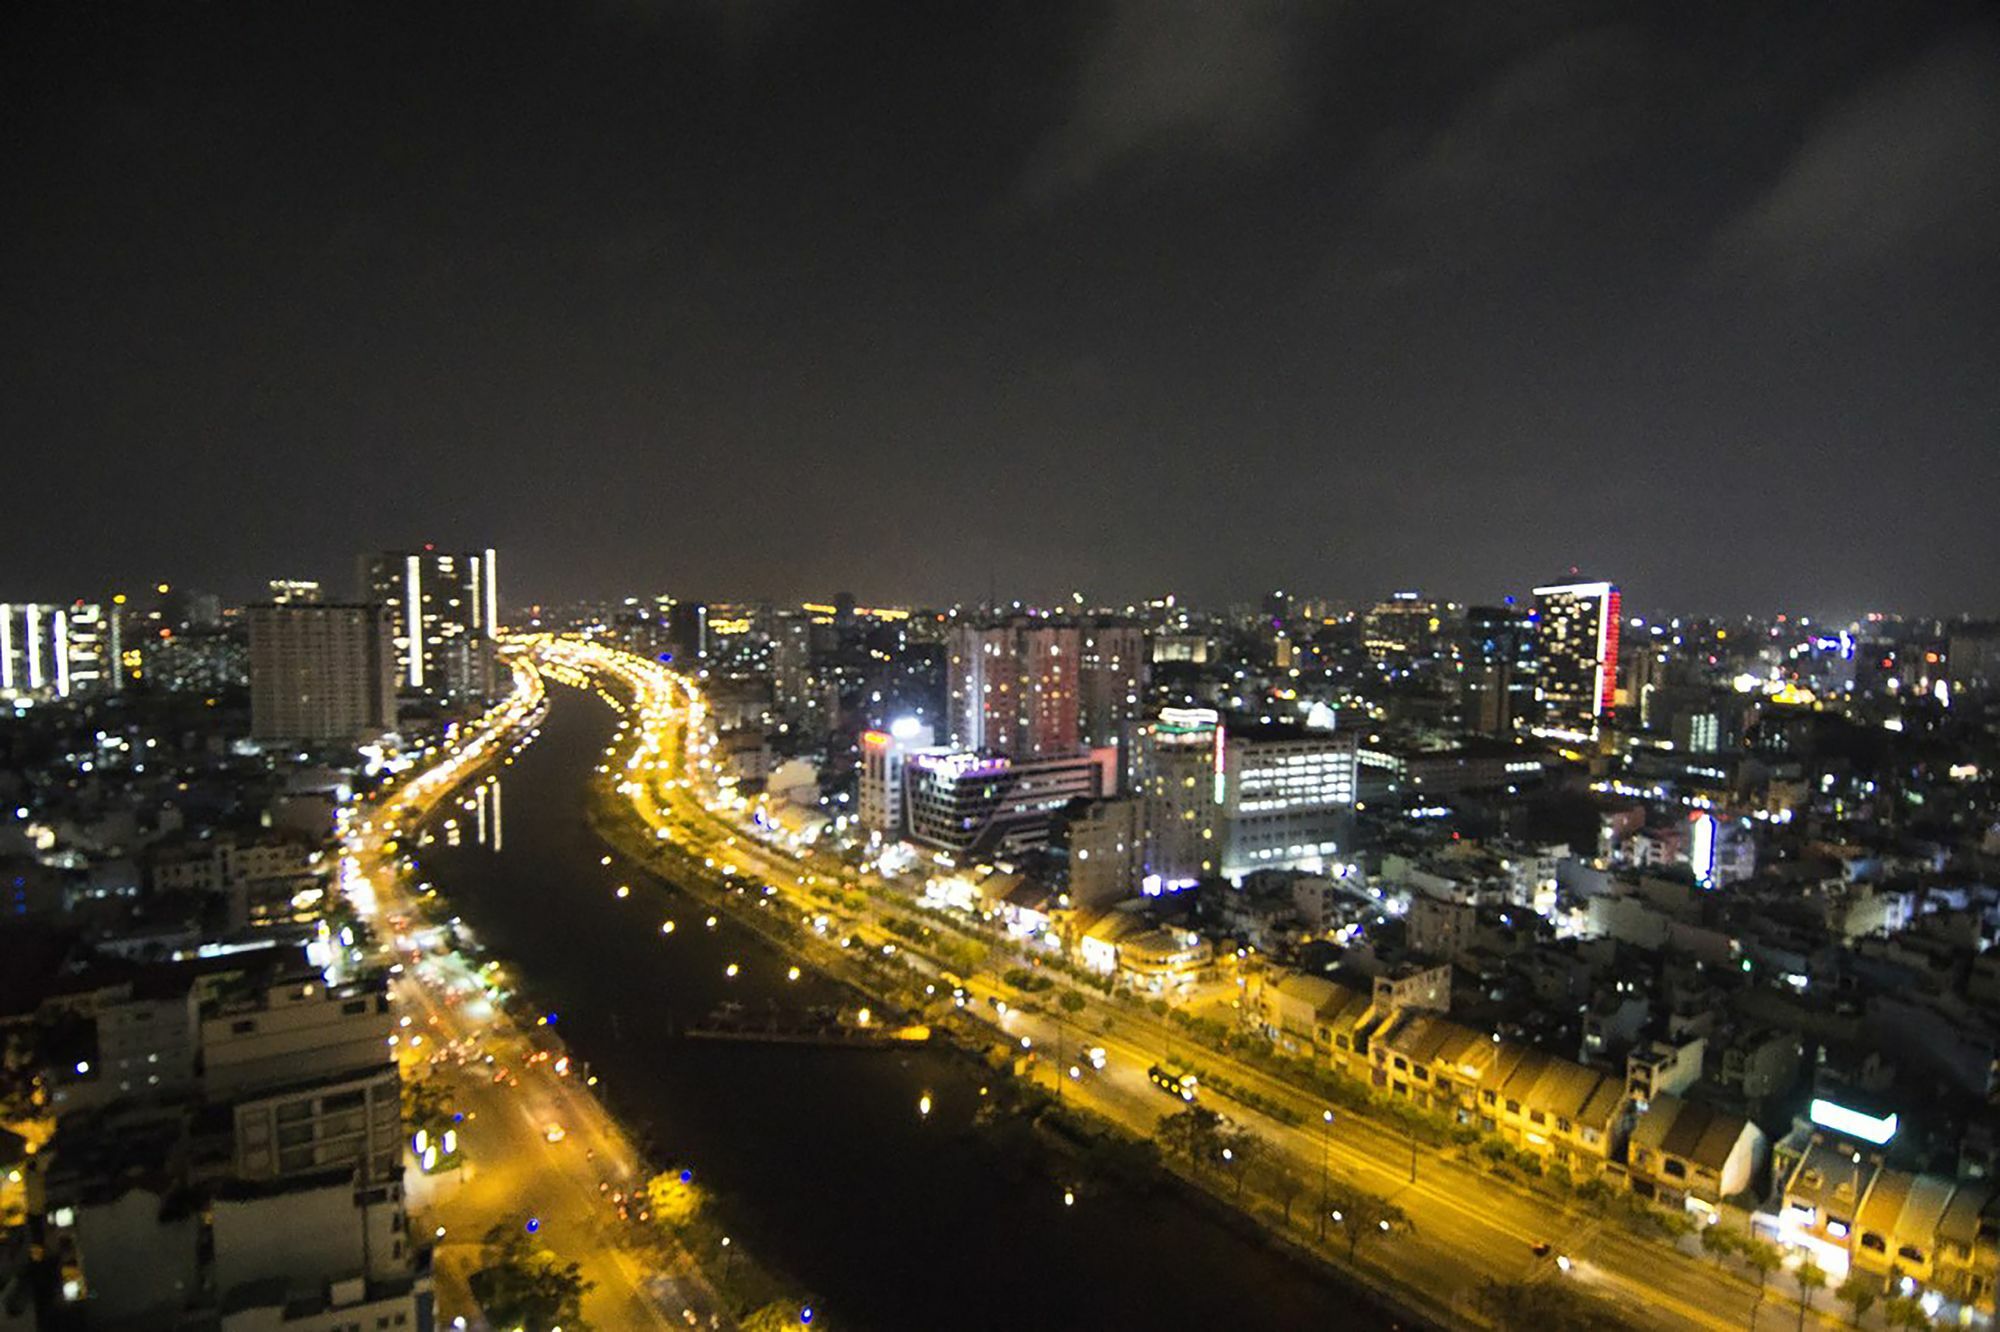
(1903, 171)
(1524, 147)
(1190, 83)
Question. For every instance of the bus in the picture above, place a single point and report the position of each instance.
(1182, 1085)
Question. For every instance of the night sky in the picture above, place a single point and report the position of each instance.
(773, 299)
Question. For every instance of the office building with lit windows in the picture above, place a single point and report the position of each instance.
(965, 803)
(1576, 657)
(295, 592)
(1287, 796)
(1404, 626)
(444, 612)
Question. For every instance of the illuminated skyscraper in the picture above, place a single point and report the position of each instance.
(1576, 647)
(56, 651)
(443, 617)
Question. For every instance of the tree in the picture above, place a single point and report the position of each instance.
(425, 1106)
(1543, 1306)
(1366, 1216)
(1594, 1192)
(674, 1201)
(1859, 1293)
(1237, 1148)
(778, 1316)
(524, 1286)
(1718, 1242)
(1190, 1134)
(1811, 1277)
(1762, 1257)
(1905, 1311)
(1286, 1188)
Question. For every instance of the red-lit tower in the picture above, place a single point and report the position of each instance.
(1576, 672)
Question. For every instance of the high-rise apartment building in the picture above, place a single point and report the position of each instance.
(1013, 687)
(1176, 775)
(1498, 663)
(1032, 687)
(54, 651)
(1113, 676)
(1576, 650)
(792, 680)
(320, 672)
(443, 617)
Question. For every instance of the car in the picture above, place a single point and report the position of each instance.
(1541, 1248)
(1096, 1056)
(554, 1133)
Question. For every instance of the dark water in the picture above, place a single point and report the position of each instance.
(887, 1219)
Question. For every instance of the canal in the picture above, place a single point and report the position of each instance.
(891, 1220)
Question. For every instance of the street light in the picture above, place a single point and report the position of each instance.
(1325, 1145)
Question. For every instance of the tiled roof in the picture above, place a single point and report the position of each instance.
(1828, 1177)
(1690, 1130)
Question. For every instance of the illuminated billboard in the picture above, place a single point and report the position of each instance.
(1839, 1118)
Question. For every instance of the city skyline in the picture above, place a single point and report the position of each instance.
(819, 664)
(241, 591)
(780, 299)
